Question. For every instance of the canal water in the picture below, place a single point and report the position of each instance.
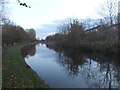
(71, 68)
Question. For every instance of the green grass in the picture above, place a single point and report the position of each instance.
(15, 72)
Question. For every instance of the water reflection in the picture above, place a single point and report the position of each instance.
(29, 50)
(74, 68)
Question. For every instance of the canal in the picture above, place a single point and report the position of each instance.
(71, 68)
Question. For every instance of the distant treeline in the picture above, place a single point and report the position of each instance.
(103, 38)
(12, 34)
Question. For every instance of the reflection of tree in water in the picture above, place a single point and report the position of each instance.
(54, 48)
(98, 70)
(73, 60)
(101, 75)
(109, 69)
(69, 65)
(29, 50)
(69, 58)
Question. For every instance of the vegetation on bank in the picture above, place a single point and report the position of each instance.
(74, 35)
(100, 36)
(16, 73)
(12, 34)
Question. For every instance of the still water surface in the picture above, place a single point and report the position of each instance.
(72, 68)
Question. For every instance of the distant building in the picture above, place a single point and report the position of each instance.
(102, 28)
(31, 34)
(95, 29)
(114, 27)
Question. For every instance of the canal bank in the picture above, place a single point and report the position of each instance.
(16, 73)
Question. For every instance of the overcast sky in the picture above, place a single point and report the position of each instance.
(44, 14)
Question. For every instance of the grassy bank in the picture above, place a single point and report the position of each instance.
(16, 74)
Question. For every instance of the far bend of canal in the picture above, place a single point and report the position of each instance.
(72, 68)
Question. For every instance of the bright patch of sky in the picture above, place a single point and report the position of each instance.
(43, 13)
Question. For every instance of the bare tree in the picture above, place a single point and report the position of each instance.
(109, 10)
(63, 29)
